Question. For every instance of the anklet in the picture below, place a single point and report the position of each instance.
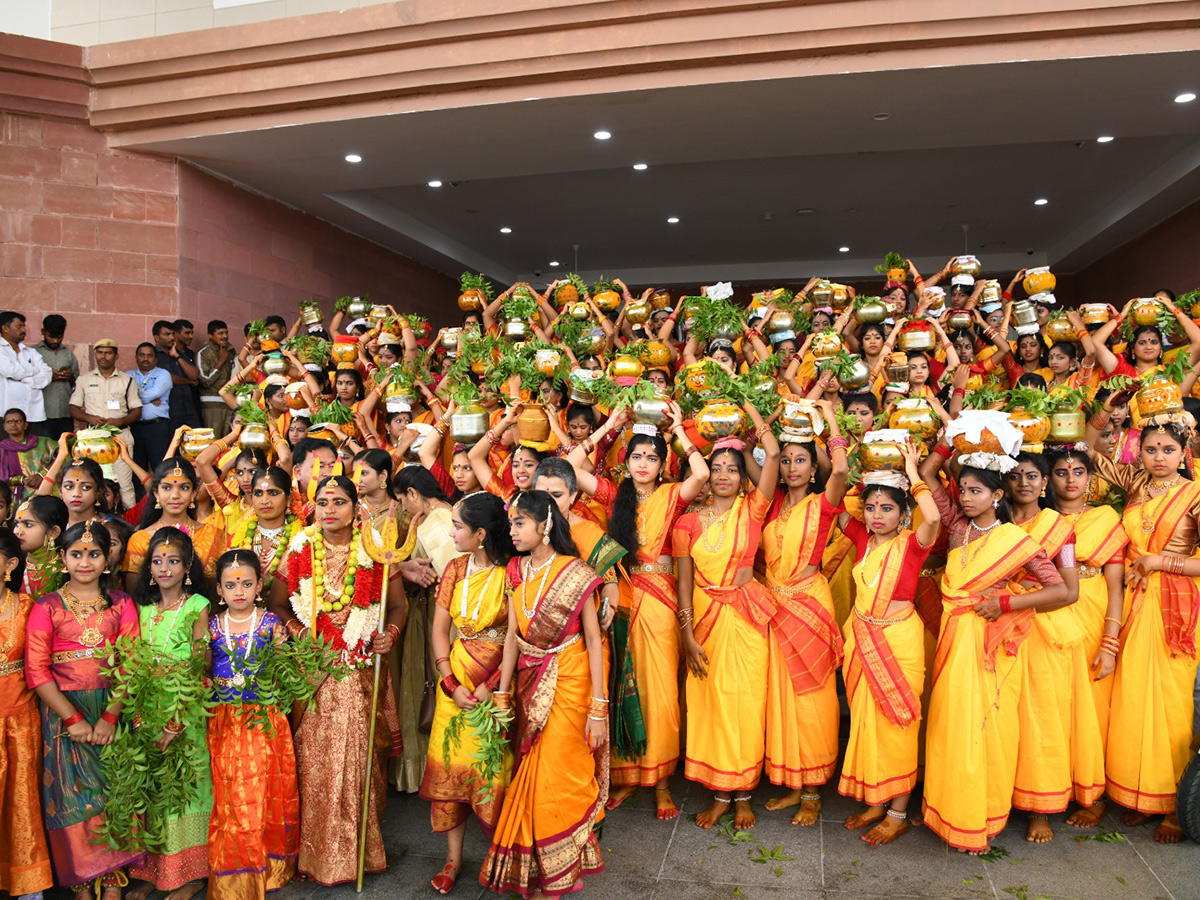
(745, 799)
(816, 797)
(898, 814)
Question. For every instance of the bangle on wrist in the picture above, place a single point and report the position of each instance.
(73, 720)
(1005, 600)
(109, 717)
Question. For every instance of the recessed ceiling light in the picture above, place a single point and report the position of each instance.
(602, 135)
(555, 263)
(506, 230)
(1104, 139)
(805, 211)
(640, 167)
(353, 157)
(435, 183)
(673, 220)
(1187, 97)
(881, 117)
(843, 249)
(1040, 201)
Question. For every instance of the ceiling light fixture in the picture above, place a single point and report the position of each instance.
(435, 183)
(843, 249)
(1040, 201)
(881, 117)
(1104, 139)
(555, 263)
(640, 167)
(673, 220)
(1187, 97)
(506, 230)
(602, 135)
(353, 158)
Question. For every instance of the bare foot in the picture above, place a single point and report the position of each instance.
(185, 892)
(619, 796)
(665, 807)
(743, 815)
(868, 816)
(1168, 830)
(809, 812)
(708, 818)
(141, 892)
(1039, 831)
(1133, 818)
(1088, 816)
(886, 831)
(791, 798)
(978, 852)
(443, 881)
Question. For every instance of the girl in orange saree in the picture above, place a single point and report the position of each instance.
(972, 733)
(885, 646)
(644, 512)
(472, 595)
(1051, 758)
(1150, 724)
(725, 613)
(1100, 543)
(804, 636)
(544, 839)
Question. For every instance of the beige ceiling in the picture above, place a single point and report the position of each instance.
(973, 145)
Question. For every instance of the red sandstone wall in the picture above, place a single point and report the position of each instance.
(1166, 256)
(85, 231)
(243, 256)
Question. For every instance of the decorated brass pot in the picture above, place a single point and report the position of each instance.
(651, 412)
(1095, 313)
(958, 319)
(579, 383)
(547, 361)
(580, 311)
(1145, 311)
(781, 320)
(310, 314)
(357, 308)
(966, 265)
(991, 292)
(450, 339)
(607, 301)
(295, 399)
(656, 355)
(255, 437)
(696, 379)
(517, 329)
(1060, 329)
(880, 456)
(719, 419)
(637, 312)
(95, 444)
(916, 417)
(1034, 428)
(857, 377)
(1024, 313)
(379, 312)
(918, 338)
(344, 350)
(826, 344)
(897, 372)
(195, 441)
(660, 300)
(625, 367)
(532, 424)
(471, 301)
(1067, 427)
(797, 415)
(1158, 396)
(275, 364)
(821, 294)
(1039, 279)
(872, 312)
(469, 424)
(840, 298)
(590, 342)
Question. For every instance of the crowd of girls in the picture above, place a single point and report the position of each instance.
(1010, 618)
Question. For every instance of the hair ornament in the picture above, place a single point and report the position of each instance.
(645, 428)
(87, 537)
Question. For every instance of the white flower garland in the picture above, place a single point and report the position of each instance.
(362, 622)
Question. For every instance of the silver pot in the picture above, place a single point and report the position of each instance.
(517, 329)
(470, 424)
(650, 412)
(859, 375)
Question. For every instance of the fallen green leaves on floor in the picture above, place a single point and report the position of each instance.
(994, 855)
(1104, 837)
(763, 855)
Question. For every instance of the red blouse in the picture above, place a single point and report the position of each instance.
(52, 648)
(910, 568)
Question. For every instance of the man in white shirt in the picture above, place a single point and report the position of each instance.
(24, 371)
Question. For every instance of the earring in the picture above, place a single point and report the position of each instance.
(996, 503)
(1043, 493)
(187, 582)
(157, 505)
(220, 601)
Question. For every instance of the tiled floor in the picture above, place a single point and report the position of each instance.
(652, 860)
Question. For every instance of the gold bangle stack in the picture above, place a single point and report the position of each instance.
(685, 616)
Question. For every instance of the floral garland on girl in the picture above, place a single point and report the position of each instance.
(353, 640)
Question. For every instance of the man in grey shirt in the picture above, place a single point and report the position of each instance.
(65, 369)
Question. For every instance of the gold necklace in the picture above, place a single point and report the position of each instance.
(640, 517)
(530, 571)
(718, 520)
(1148, 517)
(9, 611)
(89, 635)
(872, 546)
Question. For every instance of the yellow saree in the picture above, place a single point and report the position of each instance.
(972, 732)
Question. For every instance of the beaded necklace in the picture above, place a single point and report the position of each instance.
(467, 587)
(160, 613)
(252, 537)
(239, 677)
(530, 571)
(318, 566)
(984, 532)
(714, 519)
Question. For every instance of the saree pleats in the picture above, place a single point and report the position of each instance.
(655, 643)
(24, 855)
(331, 752)
(254, 833)
(73, 796)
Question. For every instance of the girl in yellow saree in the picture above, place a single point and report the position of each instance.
(1051, 758)
(544, 839)
(724, 613)
(1150, 725)
(644, 512)
(472, 595)
(885, 647)
(805, 639)
(1100, 543)
(972, 733)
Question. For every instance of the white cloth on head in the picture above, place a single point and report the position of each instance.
(898, 435)
(994, 462)
(971, 423)
(722, 290)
